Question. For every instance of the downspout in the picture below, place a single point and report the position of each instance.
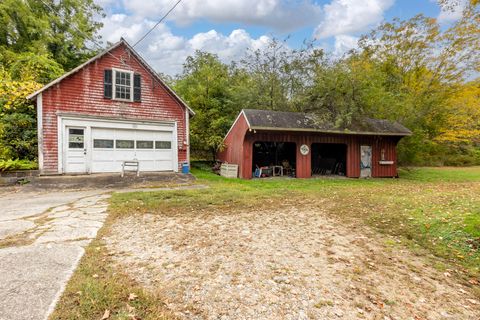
(187, 135)
(40, 131)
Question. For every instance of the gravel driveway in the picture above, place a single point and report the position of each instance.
(42, 238)
(286, 263)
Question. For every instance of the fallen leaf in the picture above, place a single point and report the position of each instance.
(130, 309)
(473, 281)
(379, 304)
(132, 296)
(106, 315)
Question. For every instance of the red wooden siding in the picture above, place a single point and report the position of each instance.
(389, 145)
(82, 93)
(233, 152)
(240, 148)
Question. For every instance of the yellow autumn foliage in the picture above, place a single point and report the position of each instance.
(13, 93)
(463, 120)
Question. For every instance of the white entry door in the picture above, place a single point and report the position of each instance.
(365, 161)
(76, 150)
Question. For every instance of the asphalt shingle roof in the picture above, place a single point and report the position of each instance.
(297, 121)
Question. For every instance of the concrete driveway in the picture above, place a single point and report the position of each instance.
(42, 238)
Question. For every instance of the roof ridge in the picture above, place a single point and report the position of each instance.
(303, 121)
(313, 113)
(101, 54)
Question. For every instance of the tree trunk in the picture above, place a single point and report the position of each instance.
(214, 154)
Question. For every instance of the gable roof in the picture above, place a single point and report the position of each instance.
(107, 51)
(297, 121)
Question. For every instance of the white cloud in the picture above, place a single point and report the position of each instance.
(229, 47)
(281, 15)
(452, 14)
(343, 44)
(166, 52)
(116, 26)
(104, 3)
(343, 17)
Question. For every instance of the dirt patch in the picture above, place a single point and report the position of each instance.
(289, 263)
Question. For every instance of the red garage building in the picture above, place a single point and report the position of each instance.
(110, 110)
(303, 145)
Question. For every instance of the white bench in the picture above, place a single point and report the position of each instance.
(133, 164)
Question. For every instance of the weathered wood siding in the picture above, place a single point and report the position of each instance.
(233, 152)
(82, 93)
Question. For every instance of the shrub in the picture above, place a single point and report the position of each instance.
(18, 136)
(17, 164)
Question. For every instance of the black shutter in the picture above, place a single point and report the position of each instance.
(137, 87)
(107, 84)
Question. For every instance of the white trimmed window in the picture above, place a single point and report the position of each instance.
(122, 85)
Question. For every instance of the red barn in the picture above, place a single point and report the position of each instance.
(303, 145)
(111, 109)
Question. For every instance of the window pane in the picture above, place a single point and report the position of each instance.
(124, 144)
(163, 145)
(102, 143)
(141, 144)
(123, 83)
(75, 145)
(76, 131)
(75, 138)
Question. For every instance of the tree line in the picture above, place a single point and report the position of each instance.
(39, 41)
(415, 72)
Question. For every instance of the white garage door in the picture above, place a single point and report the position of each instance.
(110, 147)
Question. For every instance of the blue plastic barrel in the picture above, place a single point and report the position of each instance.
(185, 168)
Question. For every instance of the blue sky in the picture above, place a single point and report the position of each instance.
(228, 27)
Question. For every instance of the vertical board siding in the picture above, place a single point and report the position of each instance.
(389, 145)
(239, 149)
(233, 151)
(82, 93)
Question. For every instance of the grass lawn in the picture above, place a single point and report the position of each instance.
(432, 211)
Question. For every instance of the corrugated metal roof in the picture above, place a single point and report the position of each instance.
(297, 121)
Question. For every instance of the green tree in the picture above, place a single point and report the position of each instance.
(57, 29)
(265, 67)
(39, 40)
(333, 92)
(17, 118)
(422, 66)
(18, 136)
(205, 86)
(277, 75)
